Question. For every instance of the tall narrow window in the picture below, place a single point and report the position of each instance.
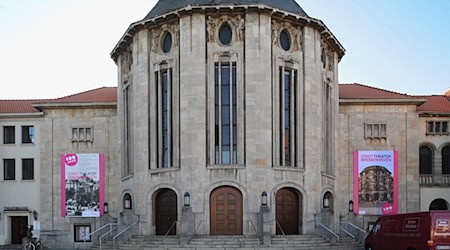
(425, 160)
(127, 131)
(446, 160)
(27, 134)
(225, 115)
(9, 135)
(27, 169)
(328, 140)
(288, 110)
(9, 169)
(164, 114)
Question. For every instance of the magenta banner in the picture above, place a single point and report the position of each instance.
(375, 178)
(82, 185)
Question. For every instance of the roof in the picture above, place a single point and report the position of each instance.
(360, 91)
(435, 104)
(166, 6)
(99, 95)
(104, 95)
(17, 107)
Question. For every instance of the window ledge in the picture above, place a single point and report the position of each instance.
(331, 176)
(30, 180)
(27, 144)
(9, 181)
(285, 168)
(214, 167)
(127, 177)
(163, 170)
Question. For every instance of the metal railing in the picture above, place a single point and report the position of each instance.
(168, 231)
(250, 223)
(360, 233)
(105, 234)
(121, 232)
(277, 224)
(329, 231)
(198, 225)
(98, 230)
(345, 231)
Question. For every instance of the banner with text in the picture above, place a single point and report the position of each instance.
(375, 178)
(82, 185)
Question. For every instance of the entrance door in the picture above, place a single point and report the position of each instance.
(226, 211)
(166, 212)
(287, 211)
(18, 228)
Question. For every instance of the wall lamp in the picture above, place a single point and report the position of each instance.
(264, 198)
(187, 199)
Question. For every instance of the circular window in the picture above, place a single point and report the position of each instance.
(285, 40)
(225, 34)
(167, 43)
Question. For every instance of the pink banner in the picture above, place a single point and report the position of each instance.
(82, 185)
(375, 176)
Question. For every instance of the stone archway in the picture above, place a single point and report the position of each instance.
(226, 211)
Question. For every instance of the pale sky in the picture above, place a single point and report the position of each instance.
(54, 48)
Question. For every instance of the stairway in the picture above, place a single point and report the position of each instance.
(243, 242)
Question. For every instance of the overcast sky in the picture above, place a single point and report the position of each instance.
(54, 48)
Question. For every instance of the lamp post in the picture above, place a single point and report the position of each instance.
(187, 199)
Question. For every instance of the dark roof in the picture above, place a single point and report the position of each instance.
(166, 6)
(360, 91)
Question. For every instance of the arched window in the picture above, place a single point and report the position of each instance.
(446, 160)
(439, 204)
(425, 160)
(127, 204)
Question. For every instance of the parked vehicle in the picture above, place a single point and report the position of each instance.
(413, 231)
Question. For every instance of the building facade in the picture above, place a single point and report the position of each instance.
(228, 119)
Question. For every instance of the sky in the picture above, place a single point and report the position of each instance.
(55, 48)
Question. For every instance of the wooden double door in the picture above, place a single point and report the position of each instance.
(288, 212)
(166, 212)
(226, 211)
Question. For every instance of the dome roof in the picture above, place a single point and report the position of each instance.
(166, 6)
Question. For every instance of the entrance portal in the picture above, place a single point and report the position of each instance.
(226, 211)
(166, 212)
(18, 228)
(287, 211)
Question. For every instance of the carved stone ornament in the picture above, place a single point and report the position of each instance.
(126, 62)
(236, 22)
(296, 34)
(328, 62)
(174, 30)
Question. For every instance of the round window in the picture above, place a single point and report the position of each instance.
(285, 40)
(225, 34)
(167, 43)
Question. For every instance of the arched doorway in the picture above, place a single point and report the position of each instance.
(288, 211)
(438, 204)
(165, 212)
(226, 211)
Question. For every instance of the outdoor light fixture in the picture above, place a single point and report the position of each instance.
(264, 198)
(326, 201)
(350, 206)
(127, 201)
(187, 199)
(35, 214)
(105, 207)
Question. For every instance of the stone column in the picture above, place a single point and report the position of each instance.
(266, 222)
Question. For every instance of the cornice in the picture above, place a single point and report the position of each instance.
(135, 27)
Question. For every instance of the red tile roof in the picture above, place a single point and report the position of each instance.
(360, 91)
(17, 106)
(435, 104)
(99, 95)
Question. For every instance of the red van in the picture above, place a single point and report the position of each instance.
(414, 231)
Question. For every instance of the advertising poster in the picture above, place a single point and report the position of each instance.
(82, 185)
(375, 177)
